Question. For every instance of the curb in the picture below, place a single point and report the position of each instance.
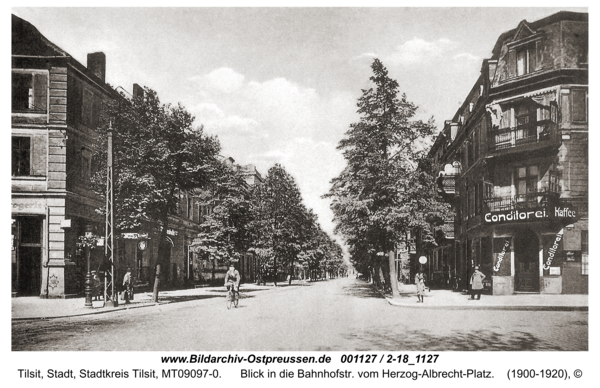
(392, 302)
(92, 312)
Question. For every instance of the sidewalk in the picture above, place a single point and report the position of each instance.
(27, 308)
(446, 299)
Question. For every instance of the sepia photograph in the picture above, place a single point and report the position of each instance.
(343, 182)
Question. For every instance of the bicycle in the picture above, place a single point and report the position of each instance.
(232, 296)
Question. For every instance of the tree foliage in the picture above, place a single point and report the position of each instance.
(157, 155)
(225, 235)
(382, 194)
(285, 233)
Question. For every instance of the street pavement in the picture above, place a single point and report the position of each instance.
(37, 308)
(334, 315)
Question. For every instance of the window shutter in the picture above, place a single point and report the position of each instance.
(579, 105)
(532, 58)
(512, 64)
(565, 110)
(40, 90)
(39, 152)
(538, 55)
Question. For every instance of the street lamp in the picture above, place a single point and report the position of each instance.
(88, 242)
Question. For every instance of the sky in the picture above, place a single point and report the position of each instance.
(280, 85)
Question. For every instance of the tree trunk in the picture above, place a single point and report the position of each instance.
(156, 283)
(214, 270)
(163, 259)
(376, 277)
(393, 275)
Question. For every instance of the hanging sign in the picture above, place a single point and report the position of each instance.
(502, 254)
(552, 250)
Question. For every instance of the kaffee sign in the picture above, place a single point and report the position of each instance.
(529, 215)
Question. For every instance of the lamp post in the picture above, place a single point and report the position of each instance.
(88, 243)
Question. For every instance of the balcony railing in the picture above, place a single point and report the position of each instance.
(535, 200)
(524, 134)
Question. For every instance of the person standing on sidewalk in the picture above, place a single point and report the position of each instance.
(127, 284)
(476, 283)
(420, 282)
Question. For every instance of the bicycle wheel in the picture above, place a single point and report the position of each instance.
(229, 300)
(236, 299)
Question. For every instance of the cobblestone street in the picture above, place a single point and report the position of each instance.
(336, 315)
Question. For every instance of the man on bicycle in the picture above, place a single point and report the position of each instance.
(232, 278)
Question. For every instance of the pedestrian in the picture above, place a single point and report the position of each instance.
(127, 284)
(420, 279)
(476, 283)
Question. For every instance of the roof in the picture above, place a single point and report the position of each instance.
(27, 40)
(556, 17)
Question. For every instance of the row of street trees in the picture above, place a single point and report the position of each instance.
(158, 154)
(386, 189)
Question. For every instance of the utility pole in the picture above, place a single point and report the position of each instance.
(109, 244)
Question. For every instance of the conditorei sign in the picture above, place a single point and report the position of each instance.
(530, 215)
(505, 248)
(552, 250)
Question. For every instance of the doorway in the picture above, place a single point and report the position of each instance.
(527, 275)
(27, 255)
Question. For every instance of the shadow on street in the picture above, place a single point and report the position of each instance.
(361, 291)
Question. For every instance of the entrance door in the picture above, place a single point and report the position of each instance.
(28, 245)
(527, 274)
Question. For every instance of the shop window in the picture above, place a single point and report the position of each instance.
(21, 156)
(29, 92)
(584, 253)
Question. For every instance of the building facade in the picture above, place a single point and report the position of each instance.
(515, 161)
(56, 105)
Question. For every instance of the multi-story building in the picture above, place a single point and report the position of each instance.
(56, 102)
(56, 105)
(516, 152)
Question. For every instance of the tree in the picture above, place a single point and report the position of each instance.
(158, 156)
(381, 194)
(278, 216)
(225, 235)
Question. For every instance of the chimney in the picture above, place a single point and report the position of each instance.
(138, 91)
(96, 63)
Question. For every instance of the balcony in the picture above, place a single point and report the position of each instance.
(446, 180)
(524, 137)
(529, 201)
(448, 228)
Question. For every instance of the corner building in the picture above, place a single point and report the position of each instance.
(516, 156)
(56, 105)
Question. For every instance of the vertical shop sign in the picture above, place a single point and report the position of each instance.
(552, 250)
(501, 255)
